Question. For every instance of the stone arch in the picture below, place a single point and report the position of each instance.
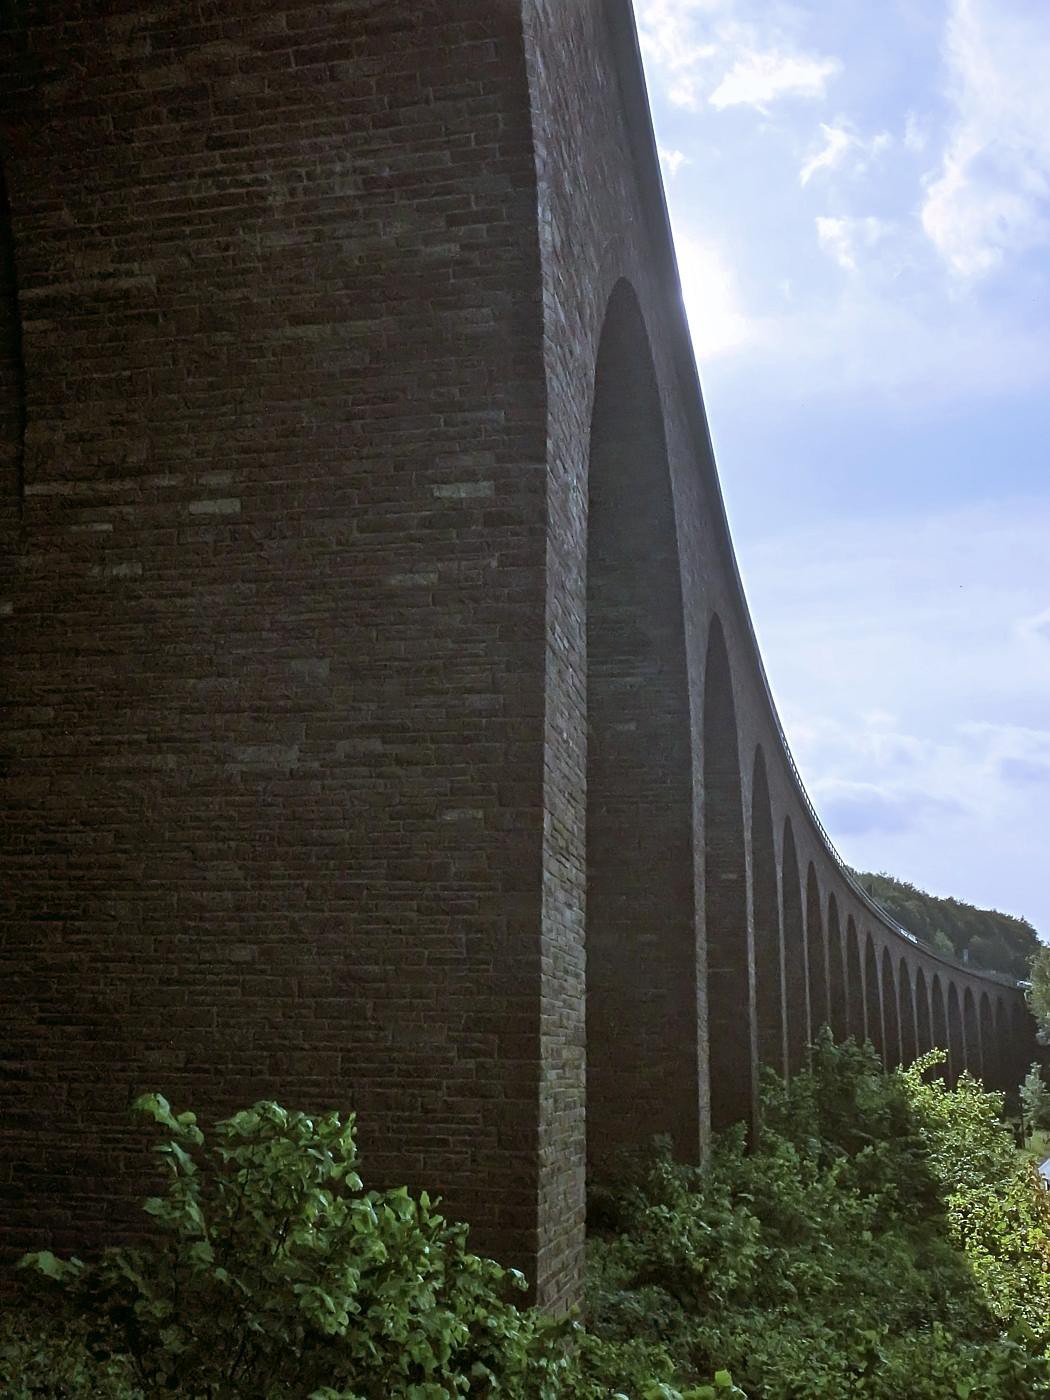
(769, 958)
(923, 1024)
(986, 1031)
(1020, 1043)
(816, 955)
(838, 997)
(730, 998)
(890, 1014)
(872, 997)
(854, 982)
(643, 1069)
(956, 1045)
(1002, 1046)
(906, 1014)
(938, 1018)
(796, 1002)
(971, 1034)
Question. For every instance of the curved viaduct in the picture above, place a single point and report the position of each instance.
(386, 724)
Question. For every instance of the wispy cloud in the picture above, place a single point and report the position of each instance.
(758, 78)
(727, 53)
(839, 142)
(842, 238)
(672, 161)
(991, 197)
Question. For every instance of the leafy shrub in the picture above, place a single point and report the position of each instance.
(276, 1275)
(882, 1239)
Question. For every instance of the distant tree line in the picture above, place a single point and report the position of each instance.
(983, 938)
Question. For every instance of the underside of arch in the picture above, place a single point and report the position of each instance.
(643, 1071)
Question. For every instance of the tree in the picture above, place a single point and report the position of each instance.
(1039, 993)
(1035, 1098)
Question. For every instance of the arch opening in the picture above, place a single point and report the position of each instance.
(854, 983)
(643, 1070)
(730, 996)
(816, 956)
(971, 1034)
(796, 1009)
(769, 957)
(873, 998)
(837, 974)
(938, 1021)
(923, 1024)
(956, 1044)
(906, 1014)
(986, 1031)
(890, 1014)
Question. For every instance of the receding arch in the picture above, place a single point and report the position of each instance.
(816, 955)
(796, 1002)
(971, 1034)
(769, 956)
(730, 998)
(923, 1024)
(839, 1007)
(854, 982)
(938, 1019)
(956, 1045)
(890, 1014)
(1002, 1045)
(1020, 1044)
(986, 1030)
(906, 1014)
(643, 1061)
(872, 997)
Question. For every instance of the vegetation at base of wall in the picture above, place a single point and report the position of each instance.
(883, 1239)
(983, 937)
(275, 1274)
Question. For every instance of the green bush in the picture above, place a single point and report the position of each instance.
(882, 1239)
(277, 1274)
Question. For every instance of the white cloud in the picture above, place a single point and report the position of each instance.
(842, 238)
(717, 324)
(837, 142)
(991, 197)
(672, 161)
(759, 77)
(676, 36)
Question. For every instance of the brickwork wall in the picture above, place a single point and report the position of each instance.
(274, 664)
(12, 392)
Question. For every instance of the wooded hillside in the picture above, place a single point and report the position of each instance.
(983, 937)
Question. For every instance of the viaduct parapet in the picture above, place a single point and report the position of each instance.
(386, 727)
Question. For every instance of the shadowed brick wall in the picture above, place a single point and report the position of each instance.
(321, 783)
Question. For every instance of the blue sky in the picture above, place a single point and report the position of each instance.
(860, 196)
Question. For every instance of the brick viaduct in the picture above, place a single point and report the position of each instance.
(386, 727)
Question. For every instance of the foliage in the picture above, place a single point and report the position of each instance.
(882, 1239)
(1039, 992)
(277, 1274)
(983, 937)
(1035, 1099)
